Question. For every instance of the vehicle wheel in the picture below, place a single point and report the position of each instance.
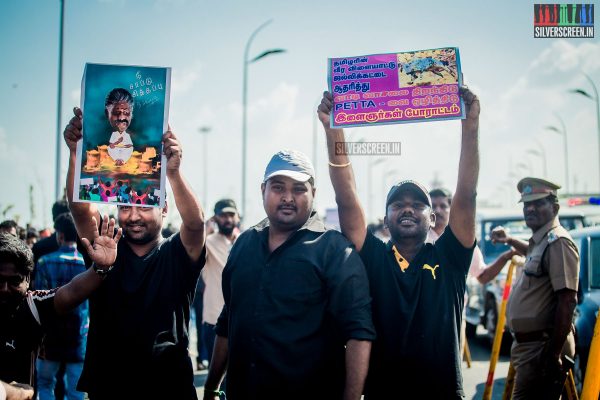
(471, 330)
(490, 319)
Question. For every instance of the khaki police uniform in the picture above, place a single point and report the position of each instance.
(552, 264)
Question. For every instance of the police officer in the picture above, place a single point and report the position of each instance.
(540, 307)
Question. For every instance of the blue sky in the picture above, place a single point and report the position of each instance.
(522, 83)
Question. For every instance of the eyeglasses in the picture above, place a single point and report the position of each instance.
(13, 280)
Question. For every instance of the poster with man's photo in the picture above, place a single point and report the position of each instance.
(125, 113)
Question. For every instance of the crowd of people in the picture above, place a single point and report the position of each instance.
(285, 309)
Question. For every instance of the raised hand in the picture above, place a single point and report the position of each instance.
(72, 133)
(499, 235)
(172, 149)
(324, 109)
(472, 109)
(104, 250)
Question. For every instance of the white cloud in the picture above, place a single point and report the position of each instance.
(184, 79)
(564, 56)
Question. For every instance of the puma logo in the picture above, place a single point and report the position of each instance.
(432, 269)
(11, 344)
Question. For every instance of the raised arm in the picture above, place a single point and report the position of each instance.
(103, 253)
(462, 216)
(192, 216)
(352, 217)
(82, 212)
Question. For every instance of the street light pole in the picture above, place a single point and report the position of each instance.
(57, 180)
(245, 104)
(597, 100)
(563, 132)
(542, 154)
(204, 131)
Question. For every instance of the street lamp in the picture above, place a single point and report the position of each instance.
(563, 132)
(264, 54)
(57, 180)
(525, 167)
(597, 100)
(370, 170)
(204, 130)
(542, 154)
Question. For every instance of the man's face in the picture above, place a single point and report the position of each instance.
(13, 286)
(441, 208)
(287, 202)
(140, 225)
(408, 217)
(119, 116)
(227, 222)
(538, 213)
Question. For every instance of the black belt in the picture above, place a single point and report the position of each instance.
(535, 336)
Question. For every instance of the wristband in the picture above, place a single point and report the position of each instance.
(100, 271)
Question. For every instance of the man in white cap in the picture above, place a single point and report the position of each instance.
(297, 317)
(417, 287)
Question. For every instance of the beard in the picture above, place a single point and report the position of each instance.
(226, 229)
(140, 238)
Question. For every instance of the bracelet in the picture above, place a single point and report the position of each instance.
(339, 165)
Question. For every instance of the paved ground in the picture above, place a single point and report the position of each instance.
(474, 378)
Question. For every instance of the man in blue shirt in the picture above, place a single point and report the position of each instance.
(65, 340)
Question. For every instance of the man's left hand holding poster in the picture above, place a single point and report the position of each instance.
(120, 158)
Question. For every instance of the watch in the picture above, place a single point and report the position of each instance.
(101, 271)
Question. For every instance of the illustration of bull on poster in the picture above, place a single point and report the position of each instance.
(412, 86)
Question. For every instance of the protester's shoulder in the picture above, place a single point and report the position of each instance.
(372, 243)
(447, 239)
(248, 235)
(41, 295)
(40, 303)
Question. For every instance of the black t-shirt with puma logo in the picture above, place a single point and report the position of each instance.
(417, 315)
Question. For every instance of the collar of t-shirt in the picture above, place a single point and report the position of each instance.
(313, 223)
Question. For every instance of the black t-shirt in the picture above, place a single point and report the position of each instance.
(289, 313)
(21, 334)
(417, 315)
(139, 318)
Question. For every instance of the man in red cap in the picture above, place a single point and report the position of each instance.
(541, 304)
